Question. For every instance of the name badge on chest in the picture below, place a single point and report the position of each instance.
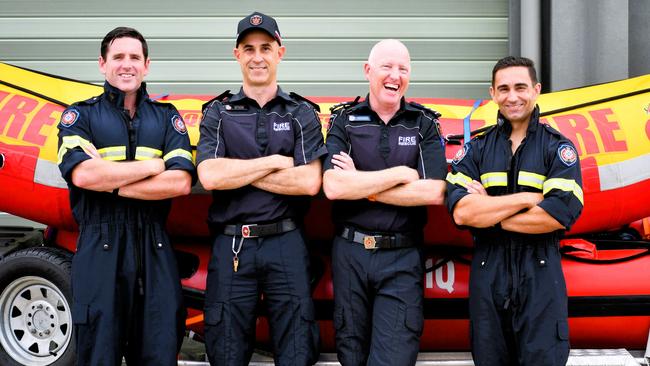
(353, 118)
(236, 107)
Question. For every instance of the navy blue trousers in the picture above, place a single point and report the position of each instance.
(518, 305)
(276, 266)
(378, 297)
(113, 314)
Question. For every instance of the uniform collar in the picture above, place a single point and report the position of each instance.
(116, 96)
(242, 96)
(403, 106)
(504, 127)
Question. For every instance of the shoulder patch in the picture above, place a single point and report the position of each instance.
(567, 154)
(482, 132)
(419, 106)
(460, 155)
(330, 122)
(344, 105)
(552, 130)
(159, 103)
(219, 98)
(303, 99)
(88, 101)
(69, 117)
(178, 124)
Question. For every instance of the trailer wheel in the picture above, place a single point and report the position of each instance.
(35, 298)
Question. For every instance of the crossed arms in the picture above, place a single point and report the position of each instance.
(145, 180)
(516, 212)
(400, 185)
(273, 173)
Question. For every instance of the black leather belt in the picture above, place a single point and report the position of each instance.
(256, 230)
(371, 241)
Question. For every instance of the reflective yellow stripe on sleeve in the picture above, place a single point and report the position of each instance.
(494, 179)
(113, 153)
(458, 178)
(146, 153)
(178, 152)
(68, 143)
(567, 185)
(531, 179)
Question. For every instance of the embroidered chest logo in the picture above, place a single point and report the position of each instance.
(69, 117)
(282, 126)
(406, 141)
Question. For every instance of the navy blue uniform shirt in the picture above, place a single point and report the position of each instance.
(239, 128)
(156, 131)
(545, 162)
(410, 138)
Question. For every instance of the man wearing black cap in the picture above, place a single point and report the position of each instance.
(259, 153)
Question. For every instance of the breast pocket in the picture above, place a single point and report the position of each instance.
(239, 135)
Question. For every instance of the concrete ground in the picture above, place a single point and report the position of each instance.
(193, 354)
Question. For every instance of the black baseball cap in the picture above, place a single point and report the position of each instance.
(258, 21)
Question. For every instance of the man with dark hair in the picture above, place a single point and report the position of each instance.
(123, 32)
(385, 163)
(124, 156)
(259, 153)
(518, 187)
(513, 61)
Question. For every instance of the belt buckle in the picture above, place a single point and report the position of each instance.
(369, 242)
(246, 231)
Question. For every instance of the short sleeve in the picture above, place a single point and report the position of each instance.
(336, 140)
(74, 133)
(432, 164)
(562, 189)
(211, 144)
(308, 136)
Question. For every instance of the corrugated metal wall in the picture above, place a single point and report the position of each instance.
(610, 42)
(453, 43)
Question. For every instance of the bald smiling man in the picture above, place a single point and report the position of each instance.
(385, 163)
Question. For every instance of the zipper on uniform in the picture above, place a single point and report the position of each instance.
(137, 247)
(131, 134)
(513, 166)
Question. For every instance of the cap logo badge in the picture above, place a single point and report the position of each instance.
(256, 20)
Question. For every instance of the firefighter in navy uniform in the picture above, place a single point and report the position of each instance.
(259, 153)
(518, 187)
(386, 162)
(123, 156)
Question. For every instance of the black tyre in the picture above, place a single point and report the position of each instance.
(35, 299)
